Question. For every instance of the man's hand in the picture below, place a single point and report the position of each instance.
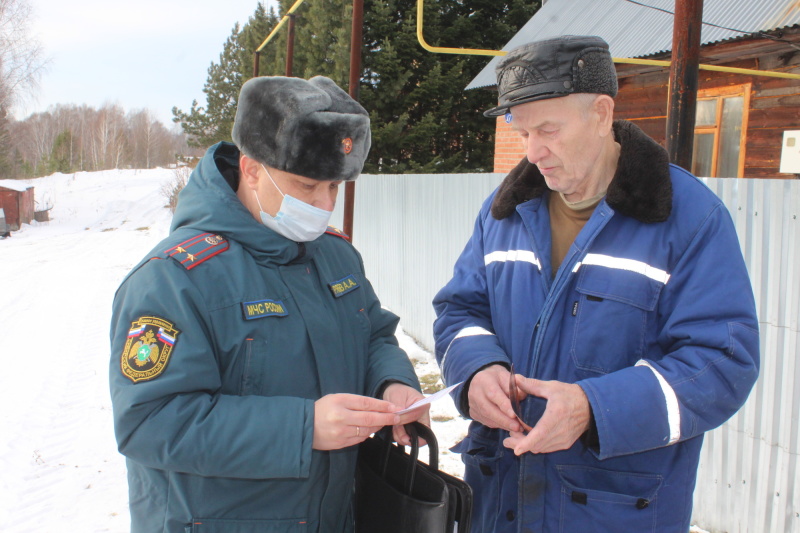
(566, 417)
(489, 402)
(402, 396)
(342, 420)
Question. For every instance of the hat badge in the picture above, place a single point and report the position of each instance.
(347, 144)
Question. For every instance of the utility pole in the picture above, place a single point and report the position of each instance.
(290, 47)
(355, 77)
(683, 81)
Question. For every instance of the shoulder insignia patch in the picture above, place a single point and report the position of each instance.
(338, 233)
(343, 286)
(148, 348)
(198, 249)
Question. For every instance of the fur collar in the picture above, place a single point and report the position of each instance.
(641, 188)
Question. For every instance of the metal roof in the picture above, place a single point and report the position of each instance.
(639, 28)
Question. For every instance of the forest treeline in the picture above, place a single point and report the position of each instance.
(71, 138)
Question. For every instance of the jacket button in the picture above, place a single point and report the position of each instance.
(642, 503)
(510, 515)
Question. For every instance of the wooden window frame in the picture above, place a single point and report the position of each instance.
(719, 94)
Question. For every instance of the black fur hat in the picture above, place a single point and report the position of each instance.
(552, 68)
(307, 127)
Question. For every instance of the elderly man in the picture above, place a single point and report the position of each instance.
(249, 353)
(612, 282)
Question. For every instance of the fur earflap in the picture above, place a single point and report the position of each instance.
(307, 127)
(641, 188)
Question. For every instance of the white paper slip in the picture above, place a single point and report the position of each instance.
(428, 399)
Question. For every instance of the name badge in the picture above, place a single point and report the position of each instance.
(343, 286)
(262, 308)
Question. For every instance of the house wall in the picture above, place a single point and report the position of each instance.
(774, 104)
(642, 99)
(507, 147)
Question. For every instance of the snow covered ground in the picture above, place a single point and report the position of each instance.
(59, 466)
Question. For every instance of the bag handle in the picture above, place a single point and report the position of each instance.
(419, 430)
(415, 430)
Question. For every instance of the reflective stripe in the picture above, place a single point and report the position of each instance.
(470, 331)
(673, 409)
(624, 264)
(512, 255)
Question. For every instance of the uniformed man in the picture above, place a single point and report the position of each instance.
(249, 353)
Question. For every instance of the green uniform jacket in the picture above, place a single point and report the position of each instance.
(221, 341)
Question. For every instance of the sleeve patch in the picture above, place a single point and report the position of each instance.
(198, 249)
(148, 348)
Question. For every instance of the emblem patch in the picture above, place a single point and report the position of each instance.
(262, 308)
(343, 286)
(347, 143)
(149, 346)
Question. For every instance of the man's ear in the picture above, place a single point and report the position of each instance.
(604, 107)
(248, 171)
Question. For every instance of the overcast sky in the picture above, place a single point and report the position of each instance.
(151, 54)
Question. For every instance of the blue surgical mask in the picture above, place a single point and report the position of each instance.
(295, 220)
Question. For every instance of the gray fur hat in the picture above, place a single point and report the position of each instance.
(553, 68)
(307, 127)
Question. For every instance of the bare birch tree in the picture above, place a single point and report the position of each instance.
(21, 60)
(147, 139)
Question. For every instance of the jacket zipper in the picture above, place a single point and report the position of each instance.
(559, 284)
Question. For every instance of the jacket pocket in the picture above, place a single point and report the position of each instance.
(250, 381)
(592, 499)
(611, 318)
(481, 453)
(211, 525)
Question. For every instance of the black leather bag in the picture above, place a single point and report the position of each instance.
(397, 493)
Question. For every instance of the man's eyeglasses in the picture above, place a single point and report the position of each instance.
(513, 394)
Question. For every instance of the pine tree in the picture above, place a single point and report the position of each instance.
(209, 124)
(253, 33)
(61, 156)
(322, 41)
(423, 119)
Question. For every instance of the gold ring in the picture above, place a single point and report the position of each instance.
(358, 431)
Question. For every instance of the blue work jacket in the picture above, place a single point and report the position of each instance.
(651, 312)
(222, 339)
